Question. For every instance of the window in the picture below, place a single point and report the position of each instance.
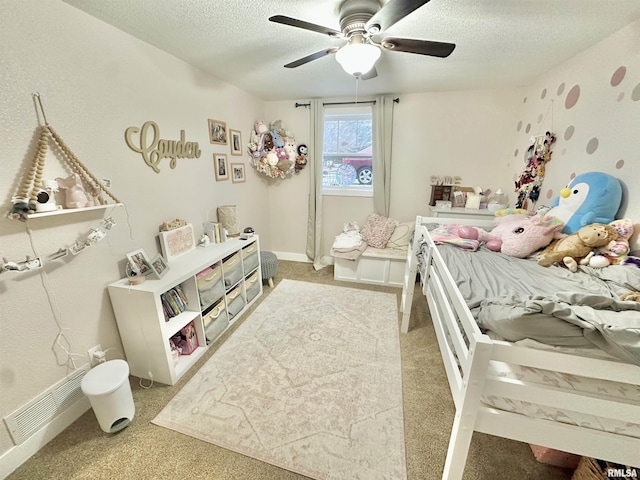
(347, 156)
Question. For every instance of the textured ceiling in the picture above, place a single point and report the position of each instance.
(500, 43)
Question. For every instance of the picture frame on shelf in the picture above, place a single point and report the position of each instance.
(177, 241)
(236, 142)
(237, 173)
(217, 132)
(159, 266)
(221, 166)
(139, 262)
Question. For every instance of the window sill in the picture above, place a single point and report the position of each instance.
(347, 192)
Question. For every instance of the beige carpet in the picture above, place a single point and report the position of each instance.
(310, 382)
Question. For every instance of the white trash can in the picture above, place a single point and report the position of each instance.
(107, 387)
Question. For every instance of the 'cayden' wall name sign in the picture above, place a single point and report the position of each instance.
(155, 149)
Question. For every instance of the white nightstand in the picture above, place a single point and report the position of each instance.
(460, 212)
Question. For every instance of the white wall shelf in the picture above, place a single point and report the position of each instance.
(66, 211)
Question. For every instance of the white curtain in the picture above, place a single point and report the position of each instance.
(314, 226)
(382, 134)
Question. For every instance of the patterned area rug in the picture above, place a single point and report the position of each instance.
(310, 382)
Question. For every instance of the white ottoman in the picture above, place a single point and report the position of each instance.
(107, 387)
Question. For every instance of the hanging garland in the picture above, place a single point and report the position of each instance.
(274, 152)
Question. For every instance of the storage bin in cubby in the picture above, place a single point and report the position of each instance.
(215, 320)
(235, 302)
(252, 285)
(232, 269)
(250, 257)
(210, 286)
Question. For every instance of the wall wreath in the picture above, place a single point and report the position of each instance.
(273, 150)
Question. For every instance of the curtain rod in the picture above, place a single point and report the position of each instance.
(396, 100)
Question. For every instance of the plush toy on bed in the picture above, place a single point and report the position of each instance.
(592, 197)
(616, 251)
(517, 235)
(575, 248)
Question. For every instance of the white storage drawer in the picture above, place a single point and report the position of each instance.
(210, 286)
(235, 302)
(252, 285)
(232, 270)
(215, 321)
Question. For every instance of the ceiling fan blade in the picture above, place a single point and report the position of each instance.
(422, 47)
(390, 13)
(313, 56)
(373, 73)
(294, 22)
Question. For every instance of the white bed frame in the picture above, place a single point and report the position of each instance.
(466, 365)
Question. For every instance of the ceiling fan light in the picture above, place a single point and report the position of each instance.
(357, 58)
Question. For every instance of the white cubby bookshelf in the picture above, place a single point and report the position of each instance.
(144, 330)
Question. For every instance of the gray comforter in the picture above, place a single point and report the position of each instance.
(518, 299)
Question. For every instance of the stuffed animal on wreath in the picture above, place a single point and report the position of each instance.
(516, 234)
(575, 248)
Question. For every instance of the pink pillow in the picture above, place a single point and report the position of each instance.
(377, 230)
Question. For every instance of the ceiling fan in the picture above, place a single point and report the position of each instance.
(360, 22)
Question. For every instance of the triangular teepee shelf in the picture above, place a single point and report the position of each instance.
(84, 190)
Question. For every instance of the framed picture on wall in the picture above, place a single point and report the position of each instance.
(236, 142)
(237, 173)
(217, 132)
(221, 166)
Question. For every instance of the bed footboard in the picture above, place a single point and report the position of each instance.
(470, 358)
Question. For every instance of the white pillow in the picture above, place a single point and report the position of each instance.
(401, 235)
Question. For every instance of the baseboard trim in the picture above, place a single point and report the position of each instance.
(292, 257)
(16, 456)
(301, 257)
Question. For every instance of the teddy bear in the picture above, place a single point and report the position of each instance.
(268, 141)
(615, 252)
(516, 234)
(576, 247)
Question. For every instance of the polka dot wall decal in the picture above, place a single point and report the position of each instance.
(549, 193)
(568, 133)
(524, 100)
(515, 154)
(519, 126)
(573, 175)
(540, 117)
(619, 164)
(560, 89)
(528, 129)
(618, 76)
(620, 96)
(635, 95)
(564, 151)
(592, 146)
(544, 93)
(572, 97)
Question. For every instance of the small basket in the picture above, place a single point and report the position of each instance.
(592, 469)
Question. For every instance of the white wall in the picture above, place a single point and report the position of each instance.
(440, 133)
(607, 110)
(96, 81)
